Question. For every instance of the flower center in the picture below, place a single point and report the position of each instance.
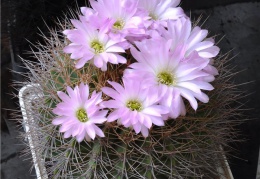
(119, 25)
(97, 46)
(82, 115)
(166, 78)
(153, 16)
(134, 105)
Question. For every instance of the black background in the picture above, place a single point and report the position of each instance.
(238, 20)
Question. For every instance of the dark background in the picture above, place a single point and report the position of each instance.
(237, 20)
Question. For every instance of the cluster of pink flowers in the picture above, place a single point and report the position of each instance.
(174, 61)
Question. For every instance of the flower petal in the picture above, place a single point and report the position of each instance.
(98, 61)
(188, 95)
(137, 127)
(67, 134)
(116, 49)
(90, 130)
(80, 137)
(98, 131)
(58, 120)
(151, 111)
(145, 131)
(84, 91)
(157, 121)
(147, 121)
(191, 86)
(111, 92)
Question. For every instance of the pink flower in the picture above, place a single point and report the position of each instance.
(88, 14)
(161, 10)
(181, 32)
(164, 70)
(134, 106)
(90, 44)
(120, 17)
(77, 114)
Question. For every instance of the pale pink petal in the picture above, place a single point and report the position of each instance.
(157, 121)
(101, 113)
(65, 128)
(136, 54)
(191, 86)
(211, 70)
(151, 111)
(80, 137)
(168, 98)
(177, 108)
(58, 120)
(200, 46)
(111, 42)
(84, 91)
(113, 116)
(209, 52)
(163, 5)
(197, 35)
(117, 86)
(173, 13)
(110, 92)
(77, 130)
(120, 59)
(133, 118)
(98, 131)
(140, 118)
(137, 127)
(186, 29)
(58, 111)
(147, 121)
(202, 97)
(98, 119)
(175, 3)
(188, 95)
(68, 133)
(115, 49)
(193, 75)
(145, 131)
(87, 137)
(112, 58)
(81, 62)
(208, 78)
(63, 96)
(91, 131)
(162, 90)
(87, 11)
(98, 61)
(71, 92)
(184, 70)
(71, 48)
(93, 101)
(104, 67)
(203, 85)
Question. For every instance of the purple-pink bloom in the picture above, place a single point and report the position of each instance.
(91, 44)
(161, 10)
(134, 106)
(78, 114)
(88, 14)
(119, 16)
(165, 71)
(194, 39)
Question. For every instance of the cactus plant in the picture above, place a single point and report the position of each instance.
(189, 146)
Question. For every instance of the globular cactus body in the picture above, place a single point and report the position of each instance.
(189, 146)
